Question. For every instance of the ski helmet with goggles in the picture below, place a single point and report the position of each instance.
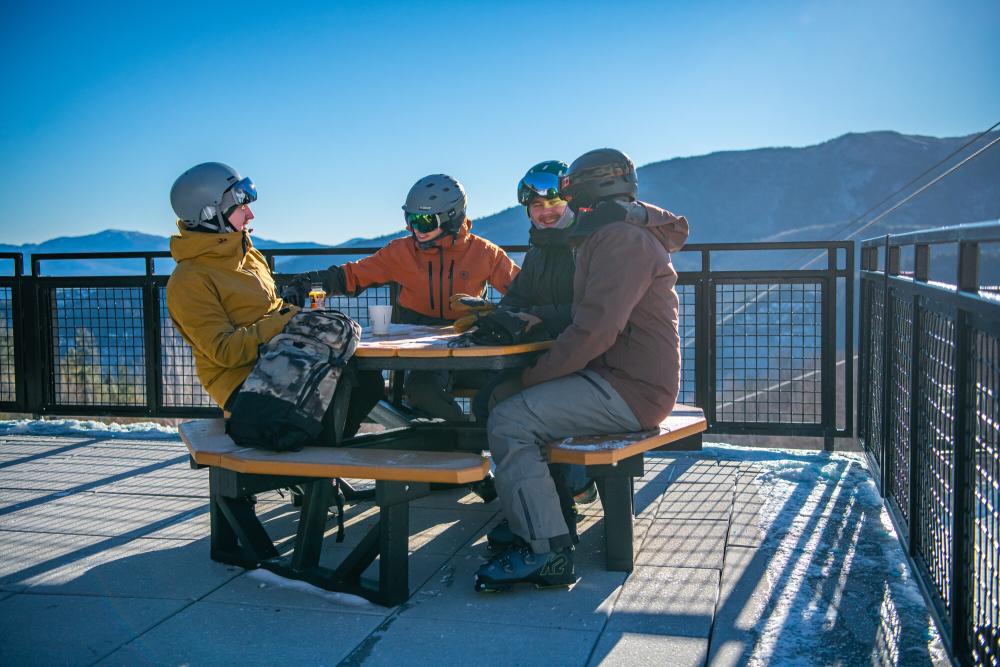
(435, 201)
(596, 175)
(542, 180)
(204, 195)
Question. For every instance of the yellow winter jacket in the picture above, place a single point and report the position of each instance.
(223, 301)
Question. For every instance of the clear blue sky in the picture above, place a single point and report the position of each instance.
(336, 108)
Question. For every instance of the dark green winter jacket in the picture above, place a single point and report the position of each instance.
(544, 287)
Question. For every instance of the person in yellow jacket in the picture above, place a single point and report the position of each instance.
(221, 296)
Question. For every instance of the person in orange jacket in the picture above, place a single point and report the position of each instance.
(440, 258)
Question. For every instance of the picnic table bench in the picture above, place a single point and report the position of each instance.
(400, 475)
(238, 538)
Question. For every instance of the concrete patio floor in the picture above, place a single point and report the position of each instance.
(104, 560)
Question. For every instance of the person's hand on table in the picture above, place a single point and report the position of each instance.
(500, 327)
(474, 308)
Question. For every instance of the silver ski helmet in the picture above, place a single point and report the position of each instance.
(435, 201)
(542, 180)
(204, 194)
(596, 175)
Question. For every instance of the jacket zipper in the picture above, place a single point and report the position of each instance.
(451, 279)
(430, 282)
(441, 280)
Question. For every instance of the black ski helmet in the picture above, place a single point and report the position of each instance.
(596, 175)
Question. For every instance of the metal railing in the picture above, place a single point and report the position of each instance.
(763, 351)
(929, 422)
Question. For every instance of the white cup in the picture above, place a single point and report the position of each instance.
(378, 318)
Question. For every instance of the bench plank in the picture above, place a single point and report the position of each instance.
(683, 422)
(209, 445)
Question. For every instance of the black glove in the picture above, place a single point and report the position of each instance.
(498, 328)
(297, 290)
(606, 212)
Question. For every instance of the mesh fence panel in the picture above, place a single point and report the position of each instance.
(8, 389)
(179, 381)
(935, 448)
(898, 455)
(97, 346)
(983, 549)
(686, 318)
(768, 346)
(870, 381)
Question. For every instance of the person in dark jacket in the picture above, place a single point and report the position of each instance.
(614, 369)
(541, 295)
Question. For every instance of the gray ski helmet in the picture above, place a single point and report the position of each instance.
(438, 196)
(596, 175)
(197, 194)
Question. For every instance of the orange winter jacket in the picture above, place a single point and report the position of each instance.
(428, 277)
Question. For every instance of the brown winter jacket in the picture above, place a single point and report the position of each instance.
(428, 277)
(625, 314)
(222, 300)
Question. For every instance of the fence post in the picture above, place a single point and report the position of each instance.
(828, 342)
(968, 281)
(921, 273)
(704, 335)
(151, 340)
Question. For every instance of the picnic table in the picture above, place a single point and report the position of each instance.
(403, 462)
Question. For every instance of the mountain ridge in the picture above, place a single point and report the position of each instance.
(762, 194)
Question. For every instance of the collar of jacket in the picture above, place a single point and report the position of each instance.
(445, 241)
(549, 237)
(223, 250)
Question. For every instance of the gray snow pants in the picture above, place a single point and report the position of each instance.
(519, 427)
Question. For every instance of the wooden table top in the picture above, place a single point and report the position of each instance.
(412, 340)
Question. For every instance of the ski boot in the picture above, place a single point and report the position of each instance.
(518, 564)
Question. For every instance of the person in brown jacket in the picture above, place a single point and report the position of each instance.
(439, 259)
(614, 369)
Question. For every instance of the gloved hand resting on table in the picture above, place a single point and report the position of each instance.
(474, 308)
(501, 327)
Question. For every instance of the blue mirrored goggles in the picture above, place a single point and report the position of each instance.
(540, 184)
(239, 193)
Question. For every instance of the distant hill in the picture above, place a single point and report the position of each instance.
(767, 194)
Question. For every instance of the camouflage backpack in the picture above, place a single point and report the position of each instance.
(281, 404)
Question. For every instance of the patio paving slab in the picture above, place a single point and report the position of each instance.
(73, 630)
(28, 556)
(703, 502)
(667, 601)
(684, 543)
(174, 569)
(450, 596)
(208, 633)
(406, 640)
(634, 649)
(109, 515)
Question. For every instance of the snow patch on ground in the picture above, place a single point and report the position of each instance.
(268, 578)
(833, 552)
(55, 427)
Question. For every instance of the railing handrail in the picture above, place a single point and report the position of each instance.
(18, 259)
(975, 232)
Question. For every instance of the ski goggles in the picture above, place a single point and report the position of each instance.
(422, 222)
(539, 184)
(239, 193)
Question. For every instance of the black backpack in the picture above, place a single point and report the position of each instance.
(281, 405)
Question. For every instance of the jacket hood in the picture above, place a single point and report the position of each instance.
(222, 249)
(671, 230)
